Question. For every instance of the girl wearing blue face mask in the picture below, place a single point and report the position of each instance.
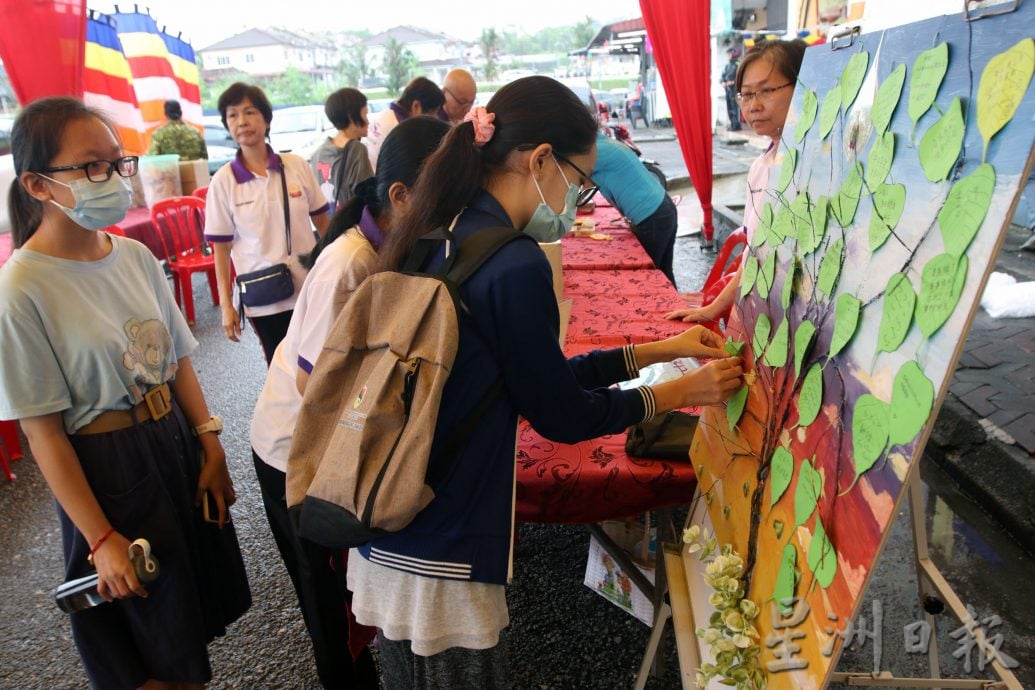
(95, 365)
(435, 589)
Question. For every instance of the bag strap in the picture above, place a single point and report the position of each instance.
(476, 250)
(462, 433)
(283, 190)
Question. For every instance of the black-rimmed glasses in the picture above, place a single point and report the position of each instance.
(101, 171)
(762, 95)
(585, 195)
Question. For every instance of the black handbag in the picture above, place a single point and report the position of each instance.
(664, 437)
(274, 283)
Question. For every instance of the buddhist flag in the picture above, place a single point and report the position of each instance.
(185, 70)
(107, 82)
(153, 79)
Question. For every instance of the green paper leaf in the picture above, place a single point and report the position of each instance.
(889, 200)
(809, 107)
(766, 274)
(869, 431)
(811, 236)
(781, 468)
(846, 320)
(1004, 82)
(810, 399)
(899, 302)
(822, 558)
(912, 399)
(735, 407)
(763, 327)
(878, 165)
(765, 223)
(790, 161)
(844, 204)
(965, 209)
(928, 72)
(887, 98)
(807, 493)
(940, 287)
(829, 111)
(783, 590)
(788, 284)
(733, 347)
(776, 354)
(830, 268)
(802, 338)
(801, 216)
(747, 281)
(782, 226)
(941, 143)
(852, 78)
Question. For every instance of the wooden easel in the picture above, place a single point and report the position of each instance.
(679, 567)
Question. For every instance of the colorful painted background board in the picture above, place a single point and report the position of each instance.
(902, 157)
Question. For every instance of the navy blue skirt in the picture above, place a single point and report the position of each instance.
(145, 478)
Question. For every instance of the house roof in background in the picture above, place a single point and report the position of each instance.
(409, 34)
(256, 38)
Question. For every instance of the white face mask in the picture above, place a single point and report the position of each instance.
(97, 204)
(546, 225)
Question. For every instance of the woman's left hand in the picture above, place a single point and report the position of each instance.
(215, 476)
(699, 342)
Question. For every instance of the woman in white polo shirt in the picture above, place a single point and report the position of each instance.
(341, 261)
(244, 213)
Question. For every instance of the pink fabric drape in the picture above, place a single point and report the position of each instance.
(680, 34)
(42, 45)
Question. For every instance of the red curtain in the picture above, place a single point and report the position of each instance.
(42, 44)
(680, 32)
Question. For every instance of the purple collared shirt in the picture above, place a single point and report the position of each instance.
(241, 172)
(371, 230)
(400, 114)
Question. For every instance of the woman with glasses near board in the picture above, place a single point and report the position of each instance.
(95, 365)
(765, 86)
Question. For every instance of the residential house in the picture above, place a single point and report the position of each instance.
(436, 53)
(269, 52)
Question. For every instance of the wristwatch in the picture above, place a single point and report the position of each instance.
(214, 424)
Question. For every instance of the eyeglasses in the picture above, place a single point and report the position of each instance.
(101, 171)
(586, 194)
(461, 102)
(762, 95)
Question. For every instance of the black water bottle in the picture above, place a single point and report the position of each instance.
(81, 593)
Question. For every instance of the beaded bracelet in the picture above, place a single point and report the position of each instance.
(99, 543)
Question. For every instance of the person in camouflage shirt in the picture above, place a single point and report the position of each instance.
(176, 136)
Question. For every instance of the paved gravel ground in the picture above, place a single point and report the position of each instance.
(562, 635)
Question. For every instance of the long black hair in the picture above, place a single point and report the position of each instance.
(529, 112)
(403, 152)
(35, 142)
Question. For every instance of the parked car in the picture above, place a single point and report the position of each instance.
(581, 88)
(221, 146)
(300, 130)
(482, 98)
(376, 105)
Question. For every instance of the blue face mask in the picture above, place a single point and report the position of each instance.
(97, 204)
(546, 225)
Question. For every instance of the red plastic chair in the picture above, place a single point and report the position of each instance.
(201, 192)
(115, 230)
(10, 448)
(721, 274)
(180, 223)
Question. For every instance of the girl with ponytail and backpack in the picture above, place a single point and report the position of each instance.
(342, 259)
(435, 589)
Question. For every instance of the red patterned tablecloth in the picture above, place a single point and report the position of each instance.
(622, 251)
(595, 480)
(138, 226)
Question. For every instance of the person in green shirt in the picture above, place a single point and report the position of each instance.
(176, 136)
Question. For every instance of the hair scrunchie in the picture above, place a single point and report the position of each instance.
(483, 127)
(366, 190)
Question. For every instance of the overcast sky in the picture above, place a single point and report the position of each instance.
(203, 22)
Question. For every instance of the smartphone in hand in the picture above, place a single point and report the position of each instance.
(209, 509)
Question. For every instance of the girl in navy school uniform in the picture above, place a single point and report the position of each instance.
(95, 365)
(435, 590)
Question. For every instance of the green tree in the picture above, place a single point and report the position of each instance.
(356, 65)
(293, 87)
(490, 45)
(583, 33)
(210, 92)
(399, 65)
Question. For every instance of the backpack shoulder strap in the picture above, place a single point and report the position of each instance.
(479, 248)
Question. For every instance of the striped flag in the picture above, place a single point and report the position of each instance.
(185, 70)
(107, 82)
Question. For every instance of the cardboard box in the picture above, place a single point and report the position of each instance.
(194, 174)
(554, 255)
